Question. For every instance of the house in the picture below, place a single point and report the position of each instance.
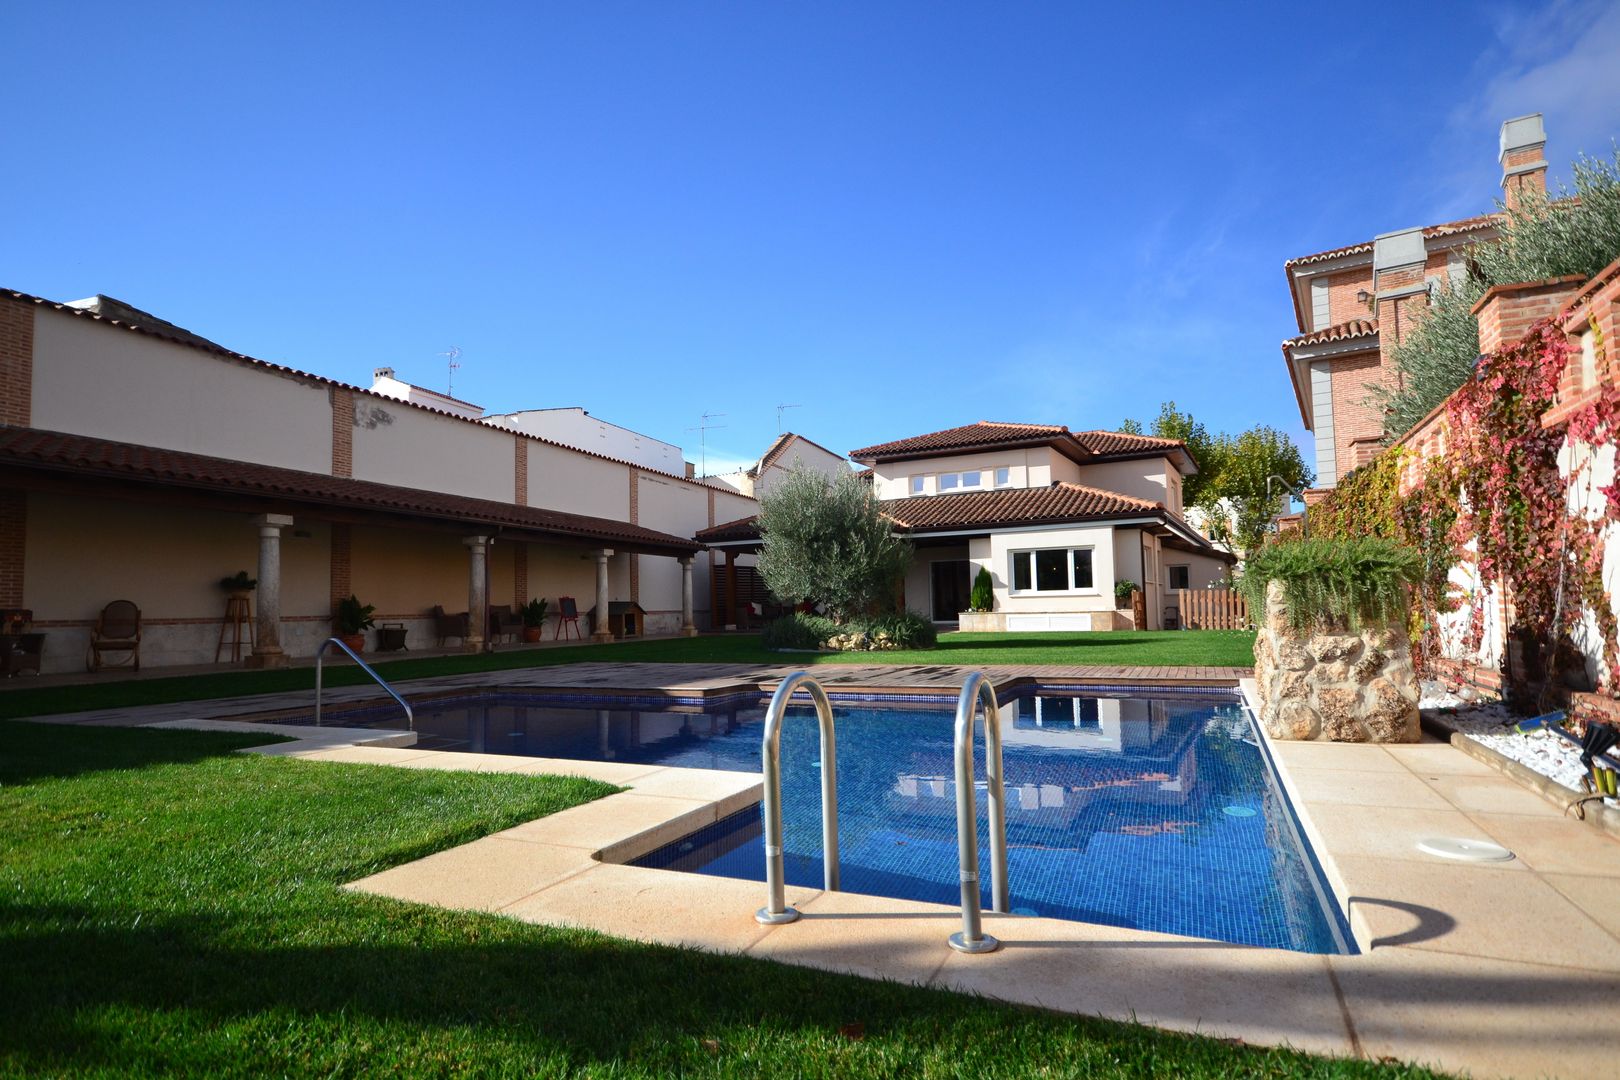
(141, 461)
(1056, 517)
(788, 452)
(1353, 304)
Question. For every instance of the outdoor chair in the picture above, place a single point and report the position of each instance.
(117, 630)
(504, 622)
(447, 626)
(1172, 617)
(567, 616)
(20, 653)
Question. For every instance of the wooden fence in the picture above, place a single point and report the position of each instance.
(1213, 609)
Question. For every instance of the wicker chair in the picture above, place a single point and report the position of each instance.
(504, 622)
(446, 625)
(117, 630)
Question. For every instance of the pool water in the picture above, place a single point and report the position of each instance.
(1156, 813)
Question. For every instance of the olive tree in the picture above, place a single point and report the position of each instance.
(826, 540)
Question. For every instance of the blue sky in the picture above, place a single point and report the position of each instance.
(897, 216)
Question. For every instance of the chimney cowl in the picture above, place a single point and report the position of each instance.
(381, 373)
(1522, 133)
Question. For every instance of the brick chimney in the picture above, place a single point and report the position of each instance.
(1524, 159)
(1505, 312)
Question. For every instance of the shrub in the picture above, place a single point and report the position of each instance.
(983, 597)
(798, 631)
(1354, 582)
(353, 617)
(906, 629)
(534, 612)
(1123, 589)
(826, 539)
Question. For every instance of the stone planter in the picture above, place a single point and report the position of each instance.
(1334, 685)
(981, 622)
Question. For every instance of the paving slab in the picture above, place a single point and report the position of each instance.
(1491, 795)
(485, 875)
(619, 827)
(1378, 787)
(873, 936)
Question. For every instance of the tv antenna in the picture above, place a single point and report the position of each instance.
(454, 353)
(703, 439)
(779, 410)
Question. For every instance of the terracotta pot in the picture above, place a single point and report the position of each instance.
(357, 642)
(531, 634)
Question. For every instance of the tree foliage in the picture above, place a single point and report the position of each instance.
(1230, 485)
(825, 540)
(1578, 233)
(1364, 581)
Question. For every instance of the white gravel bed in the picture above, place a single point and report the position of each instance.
(1546, 752)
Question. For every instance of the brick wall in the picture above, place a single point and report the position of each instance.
(1343, 304)
(1533, 184)
(13, 546)
(342, 433)
(16, 362)
(1505, 312)
(635, 518)
(342, 576)
(1354, 417)
(520, 470)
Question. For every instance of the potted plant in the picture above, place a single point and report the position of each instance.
(238, 584)
(1122, 593)
(534, 618)
(353, 620)
(983, 596)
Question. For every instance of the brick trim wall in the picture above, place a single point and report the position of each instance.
(13, 546)
(520, 470)
(342, 433)
(520, 573)
(342, 576)
(635, 519)
(16, 363)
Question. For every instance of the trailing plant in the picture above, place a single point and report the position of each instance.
(1496, 498)
(353, 617)
(826, 539)
(983, 596)
(798, 630)
(1335, 582)
(238, 582)
(534, 612)
(1541, 238)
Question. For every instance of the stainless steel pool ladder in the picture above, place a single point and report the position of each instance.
(320, 660)
(977, 691)
(776, 909)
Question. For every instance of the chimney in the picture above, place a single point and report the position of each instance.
(377, 374)
(1524, 161)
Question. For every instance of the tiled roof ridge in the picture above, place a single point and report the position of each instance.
(61, 449)
(1087, 489)
(1448, 228)
(323, 380)
(1013, 424)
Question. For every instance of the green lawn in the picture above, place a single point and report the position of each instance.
(1144, 649)
(169, 908)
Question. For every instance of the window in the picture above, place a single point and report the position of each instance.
(971, 479)
(1052, 570)
(947, 481)
(1178, 577)
(1003, 477)
(917, 485)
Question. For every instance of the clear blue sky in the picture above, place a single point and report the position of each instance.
(898, 216)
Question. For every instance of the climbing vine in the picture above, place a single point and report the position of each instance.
(1497, 488)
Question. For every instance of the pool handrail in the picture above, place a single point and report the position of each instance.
(320, 660)
(976, 691)
(776, 909)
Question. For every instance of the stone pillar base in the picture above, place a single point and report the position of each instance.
(472, 646)
(603, 638)
(277, 659)
(689, 631)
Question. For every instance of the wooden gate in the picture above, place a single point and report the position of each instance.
(1213, 609)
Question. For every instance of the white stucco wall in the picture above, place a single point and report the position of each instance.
(397, 444)
(562, 479)
(919, 577)
(99, 380)
(799, 453)
(1099, 598)
(577, 427)
(1143, 478)
(1037, 467)
(671, 506)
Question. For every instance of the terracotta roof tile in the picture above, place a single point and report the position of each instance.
(52, 451)
(1449, 228)
(1115, 443)
(742, 529)
(985, 433)
(1344, 331)
(1016, 506)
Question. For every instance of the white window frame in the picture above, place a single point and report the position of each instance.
(1002, 476)
(945, 482)
(917, 485)
(1068, 562)
(978, 479)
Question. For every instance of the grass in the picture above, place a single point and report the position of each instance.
(1136, 649)
(170, 908)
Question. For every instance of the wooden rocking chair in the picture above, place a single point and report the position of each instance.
(117, 630)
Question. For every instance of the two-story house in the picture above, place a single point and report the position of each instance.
(1353, 305)
(1057, 517)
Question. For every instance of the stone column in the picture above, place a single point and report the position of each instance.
(477, 593)
(731, 590)
(603, 630)
(688, 627)
(267, 641)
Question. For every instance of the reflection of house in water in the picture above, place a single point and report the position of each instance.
(1120, 763)
(491, 727)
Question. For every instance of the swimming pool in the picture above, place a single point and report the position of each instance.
(1157, 813)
